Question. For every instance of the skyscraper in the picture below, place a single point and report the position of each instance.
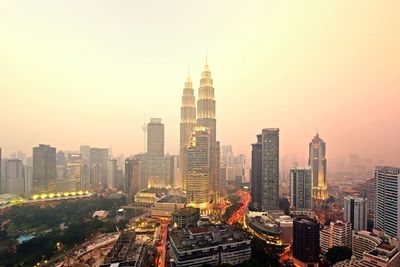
(74, 169)
(14, 180)
(256, 173)
(1, 178)
(27, 172)
(305, 242)
(132, 176)
(387, 200)
(317, 162)
(356, 212)
(270, 169)
(206, 117)
(188, 121)
(197, 182)
(155, 137)
(112, 171)
(44, 168)
(301, 188)
(98, 168)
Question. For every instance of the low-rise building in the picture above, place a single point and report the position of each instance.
(185, 217)
(364, 241)
(264, 226)
(164, 207)
(212, 245)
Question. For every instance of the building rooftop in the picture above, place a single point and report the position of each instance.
(186, 211)
(202, 237)
(172, 199)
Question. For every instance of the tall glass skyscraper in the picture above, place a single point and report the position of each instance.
(256, 173)
(155, 137)
(44, 168)
(198, 174)
(301, 188)
(206, 118)
(317, 162)
(270, 169)
(188, 121)
(387, 200)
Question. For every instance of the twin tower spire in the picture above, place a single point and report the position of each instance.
(202, 114)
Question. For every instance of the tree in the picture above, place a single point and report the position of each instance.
(337, 254)
(284, 205)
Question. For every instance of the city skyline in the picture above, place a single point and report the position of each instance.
(86, 81)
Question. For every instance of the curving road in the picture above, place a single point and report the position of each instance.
(238, 215)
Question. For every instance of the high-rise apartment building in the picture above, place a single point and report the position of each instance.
(197, 182)
(306, 237)
(317, 162)
(270, 169)
(336, 234)
(188, 121)
(301, 188)
(155, 137)
(44, 168)
(98, 168)
(387, 200)
(256, 173)
(206, 117)
(356, 212)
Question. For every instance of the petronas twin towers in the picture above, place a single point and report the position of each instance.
(196, 162)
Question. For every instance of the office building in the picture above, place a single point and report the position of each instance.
(112, 171)
(84, 150)
(317, 162)
(336, 234)
(210, 245)
(98, 168)
(306, 237)
(44, 168)
(28, 180)
(387, 200)
(155, 137)
(385, 255)
(74, 171)
(197, 182)
(270, 169)
(256, 173)
(206, 117)
(356, 212)
(132, 176)
(301, 188)
(188, 121)
(364, 242)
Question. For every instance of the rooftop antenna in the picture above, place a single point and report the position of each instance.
(144, 129)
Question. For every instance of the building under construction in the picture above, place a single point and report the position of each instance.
(129, 250)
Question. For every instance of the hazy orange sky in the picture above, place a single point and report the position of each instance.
(86, 72)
